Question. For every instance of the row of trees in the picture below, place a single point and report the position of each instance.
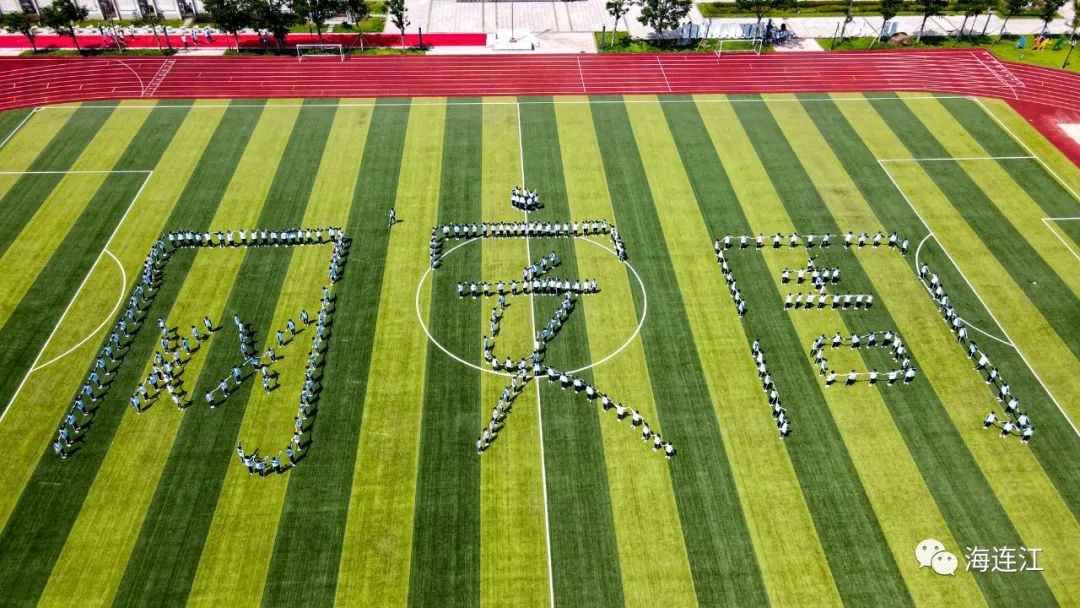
(230, 16)
(660, 15)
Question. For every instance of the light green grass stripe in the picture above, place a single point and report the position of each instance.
(236, 557)
(378, 535)
(21, 150)
(903, 505)
(904, 525)
(112, 515)
(31, 249)
(1043, 347)
(26, 427)
(513, 538)
(1048, 152)
(1008, 196)
(1029, 499)
(789, 552)
(639, 484)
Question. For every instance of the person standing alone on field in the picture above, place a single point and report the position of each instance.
(393, 217)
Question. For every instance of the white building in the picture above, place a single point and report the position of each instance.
(116, 9)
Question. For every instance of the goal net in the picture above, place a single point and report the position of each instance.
(751, 45)
(320, 50)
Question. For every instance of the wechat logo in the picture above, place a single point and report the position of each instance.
(932, 553)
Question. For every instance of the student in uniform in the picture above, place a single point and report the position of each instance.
(990, 419)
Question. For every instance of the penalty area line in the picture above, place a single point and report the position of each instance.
(75, 296)
(952, 260)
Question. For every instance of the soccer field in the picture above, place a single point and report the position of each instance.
(389, 502)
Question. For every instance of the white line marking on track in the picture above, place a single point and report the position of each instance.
(983, 302)
(104, 322)
(663, 73)
(75, 296)
(17, 127)
(142, 86)
(581, 75)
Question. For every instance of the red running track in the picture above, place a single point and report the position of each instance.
(1045, 96)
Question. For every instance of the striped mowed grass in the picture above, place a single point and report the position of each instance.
(391, 505)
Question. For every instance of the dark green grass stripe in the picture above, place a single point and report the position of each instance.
(446, 535)
(584, 555)
(1057, 452)
(307, 550)
(166, 554)
(38, 528)
(948, 468)
(721, 554)
(854, 544)
(20, 203)
(1054, 199)
(1025, 266)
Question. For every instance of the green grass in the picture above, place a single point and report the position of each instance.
(816, 8)
(391, 505)
(625, 44)
(1005, 49)
(373, 24)
(96, 52)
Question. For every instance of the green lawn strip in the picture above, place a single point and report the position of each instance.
(44, 304)
(64, 148)
(586, 565)
(718, 543)
(639, 481)
(513, 510)
(1024, 319)
(792, 559)
(237, 554)
(831, 464)
(446, 536)
(1057, 162)
(958, 487)
(59, 512)
(1023, 202)
(376, 554)
(165, 558)
(24, 146)
(75, 199)
(1059, 306)
(311, 529)
(1035, 192)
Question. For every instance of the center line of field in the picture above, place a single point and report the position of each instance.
(539, 405)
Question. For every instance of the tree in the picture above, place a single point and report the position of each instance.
(317, 12)
(229, 16)
(618, 10)
(22, 23)
(663, 15)
(761, 8)
(1074, 24)
(991, 6)
(1048, 10)
(849, 8)
(61, 16)
(357, 10)
(930, 8)
(889, 9)
(397, 11)
(972, 9)
(1012, 8)
(152, 20)
(275, 17)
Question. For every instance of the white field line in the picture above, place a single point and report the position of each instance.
(931, 292)
(508, 102)
(73, 172)
(104, 322)
(952, 158)
(536, 382)
(1047, 221)
(75, 296)
(17, 127)
(980, 298)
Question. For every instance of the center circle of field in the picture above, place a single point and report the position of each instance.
(605, 358)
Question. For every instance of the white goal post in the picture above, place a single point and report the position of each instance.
(309, 50)
(740, 45)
